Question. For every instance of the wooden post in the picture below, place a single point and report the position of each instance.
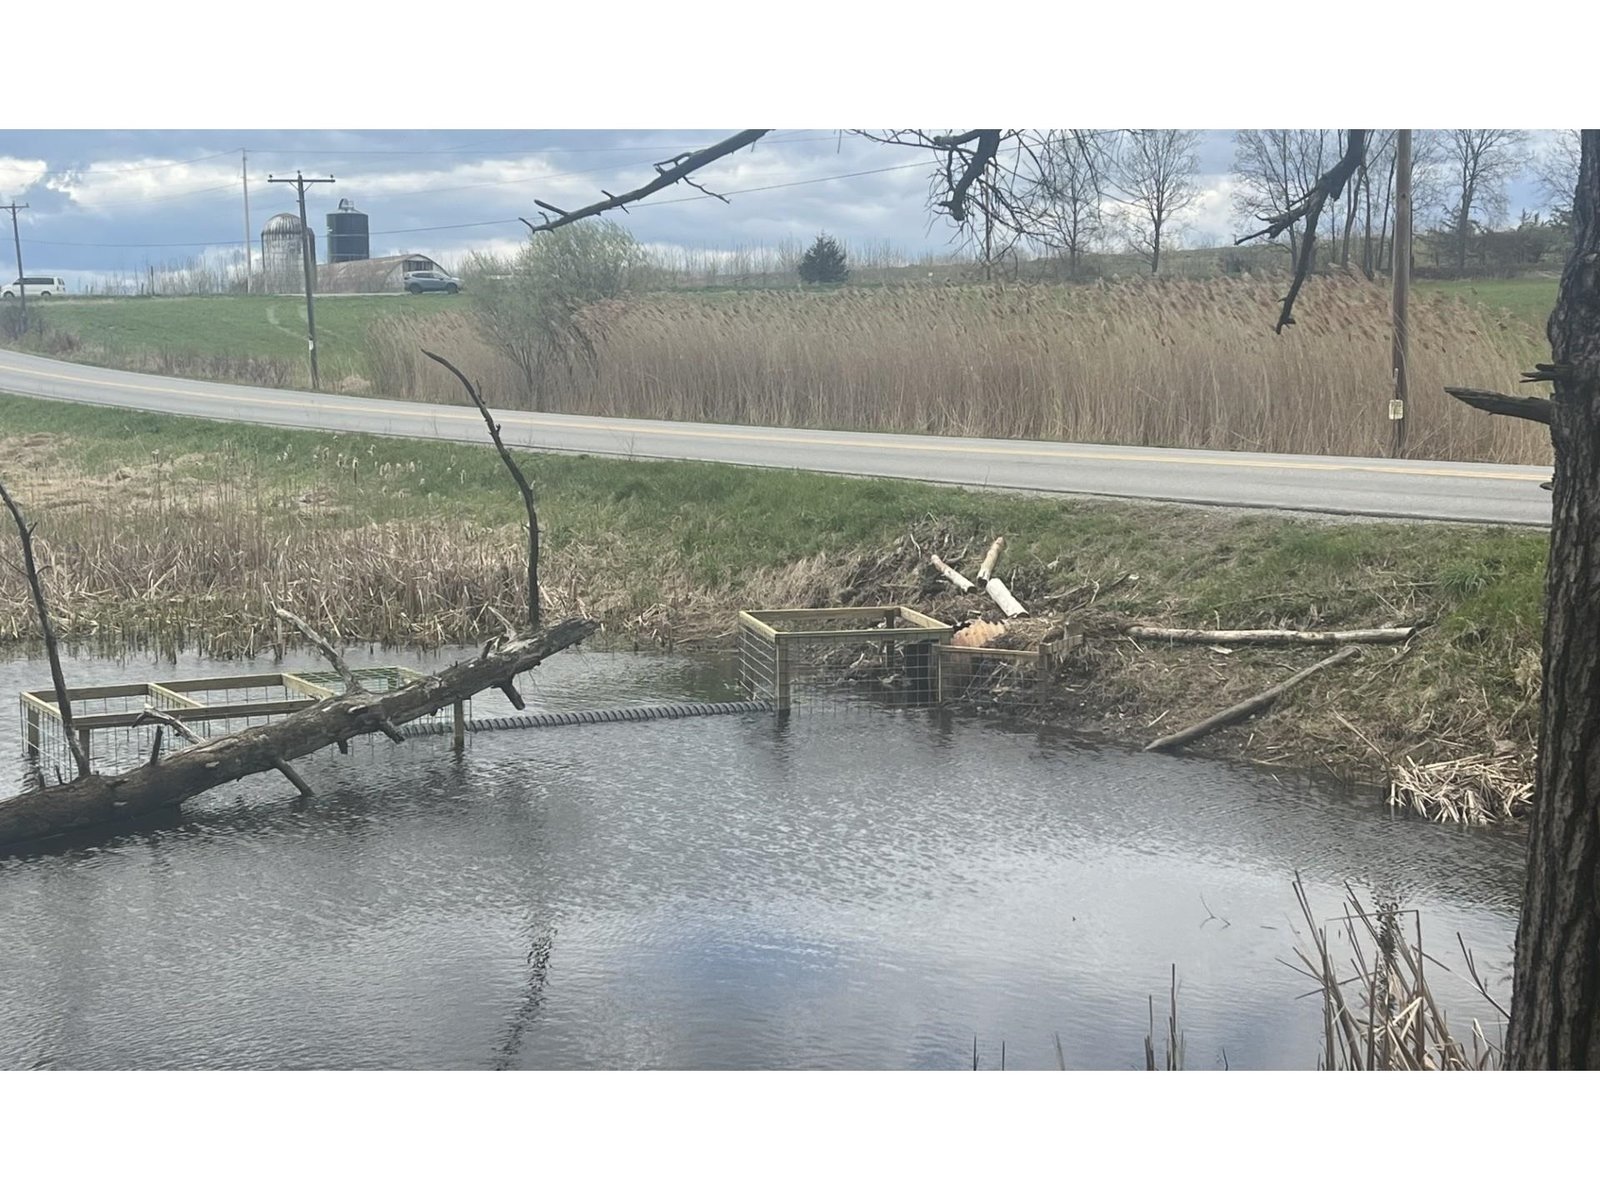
(1402, 288)
(459, 712)
(780, 675)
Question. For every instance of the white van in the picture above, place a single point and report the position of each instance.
(38, 285)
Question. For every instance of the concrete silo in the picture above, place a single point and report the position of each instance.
(282, 269)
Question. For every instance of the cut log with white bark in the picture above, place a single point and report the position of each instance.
(100, 799)
(1001, 595)
(961, 582)
(991, 560)
(1238, 712)
(1269, 637)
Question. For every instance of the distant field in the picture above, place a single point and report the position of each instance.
(1528, 300)
(261, 327)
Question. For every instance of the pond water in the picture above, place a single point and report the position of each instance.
(846, 888)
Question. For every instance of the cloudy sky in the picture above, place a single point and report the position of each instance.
(116, 200)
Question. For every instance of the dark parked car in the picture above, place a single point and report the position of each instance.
(418, 282)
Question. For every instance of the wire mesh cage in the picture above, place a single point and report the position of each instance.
(112, 726)
(884, 654)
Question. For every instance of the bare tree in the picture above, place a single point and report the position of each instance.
(1155, 173)
(1556, 171)
(1480, 162)
(1274, 168)
(1066, 197)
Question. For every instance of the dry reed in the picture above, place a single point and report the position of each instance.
(1479, 789)
(1379, 1011)
(1185, 363)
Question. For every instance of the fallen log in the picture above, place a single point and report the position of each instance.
(100, 799)
(1245, 708)
(1268, 637)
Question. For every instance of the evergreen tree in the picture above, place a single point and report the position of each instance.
(824, 262)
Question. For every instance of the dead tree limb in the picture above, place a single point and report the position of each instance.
(1268, 637)
(1528, 408)
(527, 500)
(1310, 208)
(100, 799)
(352, 685)
(31, 569)
(160, 717)
(1245, 708)
(668, 172)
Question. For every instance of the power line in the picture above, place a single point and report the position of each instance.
(138, 170)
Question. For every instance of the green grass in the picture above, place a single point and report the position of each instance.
(1528, 300)
(266, 327)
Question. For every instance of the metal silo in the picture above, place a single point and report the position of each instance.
(282, 269)
(347, 235)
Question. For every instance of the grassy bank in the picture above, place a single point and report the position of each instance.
(1527, 300)
(1185, 363)
(167, 531)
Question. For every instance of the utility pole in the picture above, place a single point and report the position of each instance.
(22, 280)
(301, 183)
(1402, 289)
(244, 176)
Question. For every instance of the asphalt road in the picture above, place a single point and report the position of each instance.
(1373, 487)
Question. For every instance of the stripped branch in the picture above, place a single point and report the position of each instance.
(1527, 408)
(31, 569)
(961, 582)
(1268, 637)
(671, 171)
(522, 486)
(1245, 708)
(352, 685)
(1310, 208)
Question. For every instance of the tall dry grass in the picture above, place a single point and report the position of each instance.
(1183, 363)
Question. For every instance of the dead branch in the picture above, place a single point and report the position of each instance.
(527, 501)
(351, 683)
(99, 799)
(1245, 708)
(1527, 408)
(1310, 208)
(31, 569)
(157, 716)
(668, 172)
(1268, 637)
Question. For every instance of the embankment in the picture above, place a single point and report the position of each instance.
(161, 532)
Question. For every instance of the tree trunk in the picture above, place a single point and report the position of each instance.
(1155, 249)
(1555, 1015)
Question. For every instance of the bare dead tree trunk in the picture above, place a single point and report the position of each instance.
(522, 486)
(31, 569)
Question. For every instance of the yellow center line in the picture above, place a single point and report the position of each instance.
(533, 424)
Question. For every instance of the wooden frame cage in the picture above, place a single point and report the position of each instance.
(219, 703)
